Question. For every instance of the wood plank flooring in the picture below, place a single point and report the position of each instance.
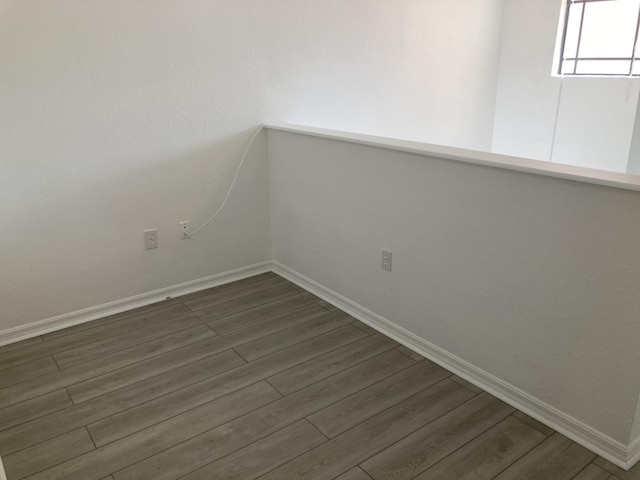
(259, 379)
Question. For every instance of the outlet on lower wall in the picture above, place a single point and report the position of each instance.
(151, 239)
(185, 231)
(386, 259)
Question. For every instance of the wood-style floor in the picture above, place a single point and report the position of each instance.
(258, 379)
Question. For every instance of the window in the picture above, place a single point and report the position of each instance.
(600, 38)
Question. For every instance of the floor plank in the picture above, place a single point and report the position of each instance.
(34, 408)
(134, 448)
(277, 341)
(410, 353)
(75, 374)
(488, 454)
(351, 411)
(91, 351)
(228, 322)
(633, 474)
(557, 457)
(221, 441)
(251, 301)
(136, 418)
(48, 454)
(532, 422)
(593, 472)
(264, 455)
(329, 364)
(26, 371)
(352, 447)
(354, 474)
(233, 291)
(20, 344)
(468, 385)
(66, 342)
(428, 445)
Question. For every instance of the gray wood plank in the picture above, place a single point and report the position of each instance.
(144, 310)
(592, 472)
(327, 305)
(48, 454)
(468, 385)
(410, 353)
(633, 474)
(280, 323)
(29, 353)
(277, 341)
(245, 282)
(226, 323)
(557, 457)
(114, 380)
(487, 455)
(182, 459)
(20, 344)
(532, 422)
(262, 456)
(91, 351)
(76, 416)
(136, 418)
(233, 291)
(343, 415)
(352, 447)
(354, 474)
(365, 328)
(115, 456)
(36, 407)
(250, 301)
(428, 445)
(77, 373)
(103, 322)
(27, 371)
(329, 364)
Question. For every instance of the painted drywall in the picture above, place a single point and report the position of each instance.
(532, 279)
(119, 116)
(415, 70)
(633, 166)
(595, 116)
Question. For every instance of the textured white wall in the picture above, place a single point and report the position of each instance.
(595, 115)
(117, 116)
(532, 279)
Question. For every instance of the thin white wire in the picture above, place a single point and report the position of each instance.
(233, 183)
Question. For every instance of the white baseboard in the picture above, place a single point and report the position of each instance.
(3, 475)
(599, 443)
(633, 453)
(48, 325)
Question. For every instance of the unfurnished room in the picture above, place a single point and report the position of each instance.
(319, 239)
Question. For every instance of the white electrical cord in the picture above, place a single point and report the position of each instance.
(235, 178)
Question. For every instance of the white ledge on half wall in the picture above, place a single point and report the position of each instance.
(536, 167)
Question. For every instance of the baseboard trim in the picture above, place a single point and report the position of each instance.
(93, 313)
(634, 453)
(590, 438)
(3, 475)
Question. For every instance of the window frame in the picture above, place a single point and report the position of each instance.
(635, 52)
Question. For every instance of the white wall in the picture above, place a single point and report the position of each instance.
(532, 279)
(118, 116)
(595, 115)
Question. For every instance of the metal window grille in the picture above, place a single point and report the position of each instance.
(600, 38)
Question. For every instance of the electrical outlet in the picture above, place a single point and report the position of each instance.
(386, 259)
(185, 231)
(150, 239)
